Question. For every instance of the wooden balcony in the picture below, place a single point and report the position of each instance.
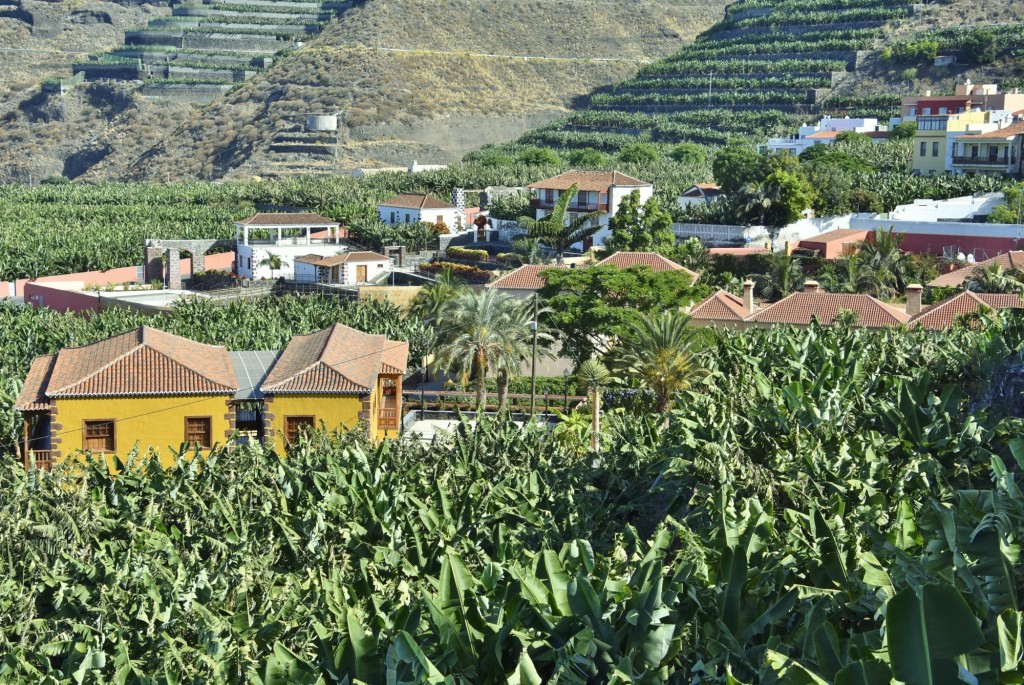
(42, 459)
(387, 418)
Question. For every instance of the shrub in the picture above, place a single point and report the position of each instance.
(639, 153)
(462, 271)
(538, 156)
(468, 254)
(510, 259)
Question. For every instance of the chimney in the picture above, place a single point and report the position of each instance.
(927, 93)
(811, 287)
(914, 291)
(748, 296)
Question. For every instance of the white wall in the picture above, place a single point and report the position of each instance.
(373, 270)
(404, 215)
(954, 209)
(287, 253)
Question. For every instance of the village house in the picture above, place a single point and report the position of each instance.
(148, 389)
(1014, 259)
(523, 282)
(347, 268)
(410, 208)
(652, 260)
(699, 193)
(825, 132)
(283, 236)
(596, 191)
(995, 153)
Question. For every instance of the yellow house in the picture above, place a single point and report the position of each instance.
(148, 389)
(933, 141)
(336, 377)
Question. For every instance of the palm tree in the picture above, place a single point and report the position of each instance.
(884, 256)
(756, 199)
(782, 275)
(994, 279)
(518, 338)
(433, 298)
(853, 275)
(273, 262)
(559, 230)
(593, 374)
(659, 351)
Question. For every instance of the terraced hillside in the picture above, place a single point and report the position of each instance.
(770, 63)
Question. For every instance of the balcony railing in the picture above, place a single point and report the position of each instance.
(42, 459)
(387, 419)
(539, 203)
(982, 161)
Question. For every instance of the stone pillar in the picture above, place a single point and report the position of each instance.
(174, 268)
(198, 262)
(153, 267)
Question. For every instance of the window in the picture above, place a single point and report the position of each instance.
(604, 198)
(974, 151)
(98, 435)
(407, 218)
(294, 425)
(924, 149)
(932, 123)
(935, 149)
(392, 218)
(198, 432)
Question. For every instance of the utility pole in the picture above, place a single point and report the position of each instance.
(533, 362)
(711, 76)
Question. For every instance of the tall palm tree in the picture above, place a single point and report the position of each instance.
(433, 298)
(660, 352)
(886, 258)
(274, 262)
(559, 230)
(593, 374)
(853, 275)
(994, 279)
(782, 275)
(518, 339)
(755, 200)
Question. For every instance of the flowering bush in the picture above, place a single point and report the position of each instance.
(463, 271)
(468, 254)
(510, 259)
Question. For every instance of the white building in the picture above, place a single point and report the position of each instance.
(597, 191)
(699, 194)
(347, 268)
(283, 235)
(408, 208)
(825, 132)
(954, 209)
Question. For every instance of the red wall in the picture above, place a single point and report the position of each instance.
(39, 295)
(933, 244)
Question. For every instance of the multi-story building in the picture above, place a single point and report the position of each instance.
(933, 142)
(825, 132)
(995, 152)
(596, 191)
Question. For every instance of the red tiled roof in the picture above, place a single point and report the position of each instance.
(1008, 132)
(588, 180)
(344, 258)
(801, 308)
(526, 277)
(955, 279)
(33, 391)
(945, 313)
(658, 263)
(336, 360)
(823, 135)
(144, 361)
(840, 235)
(287, 219)
(719, 306)
(412, 201)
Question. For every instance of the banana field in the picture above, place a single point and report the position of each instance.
(830, 506)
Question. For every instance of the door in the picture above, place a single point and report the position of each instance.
(361, 273)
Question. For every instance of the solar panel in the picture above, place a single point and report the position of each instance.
(251, 370)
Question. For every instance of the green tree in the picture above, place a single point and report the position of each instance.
(1012, 212)
(791, 194)
(780, 275)
(853, 275)
(753, 202)
(995, 279)
(641, 228)
(587, 158)
(589, 306)
(736, 165)
(904, 131)
(639, 153)
(559, 230)
(592, 374)
(980, 46)
(659, 351)
(539, 156)
(274, 262)
(432, 300)
(689, 153)
(884, 255)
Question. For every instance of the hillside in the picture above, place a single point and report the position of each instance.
(413, 79)
(768, 65)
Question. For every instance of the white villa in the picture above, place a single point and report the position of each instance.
(825, 132)
(285, 235)
(597, 191)
(409, 208)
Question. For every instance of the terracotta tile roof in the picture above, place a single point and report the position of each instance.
(840, 235)
(411, 201)
(955, 279)
(702, 190)
(526, 277)
(945, 313)
(801, 308)
(588, 180)
(719, 306)
(344, 258)
(145, 362)
(1008, 132)
(823, 135)
(336, 360)
(658, 263)
(287, 219)
(33, 392)
(707, 186)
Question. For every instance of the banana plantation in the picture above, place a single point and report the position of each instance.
(827, 506)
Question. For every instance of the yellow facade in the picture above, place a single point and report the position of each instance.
(148, 422)
(335, 411)
(932, 142)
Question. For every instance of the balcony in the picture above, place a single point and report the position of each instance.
(42, 459)
(982, 161)
(539, 203)
(387, 418)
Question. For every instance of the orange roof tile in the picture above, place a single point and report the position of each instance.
(413, 201)
(588, 180)
(287, 219)
(33, 391)
(719, 306)
(336, 360)
(144, 361)
(334, 260)
(653, 260)
(526, 277)
(1008, 132)
(800, 308)
(823, 135)
(945, 314)
(955, 279)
